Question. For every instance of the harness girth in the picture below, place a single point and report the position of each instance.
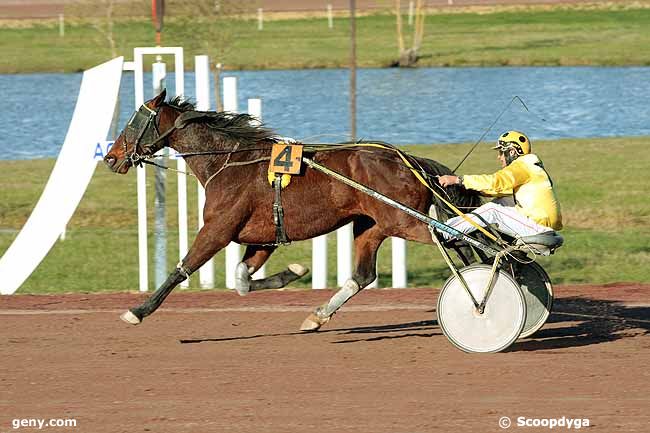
(278, 213)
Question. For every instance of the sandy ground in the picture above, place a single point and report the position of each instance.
(216, 362)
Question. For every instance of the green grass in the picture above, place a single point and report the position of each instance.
(602, 185)
(608, 35)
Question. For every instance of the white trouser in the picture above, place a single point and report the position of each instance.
(507, 218)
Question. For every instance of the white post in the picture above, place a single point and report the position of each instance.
(233, 252)
(255, 109)
(330, 18)
(230, 94)
(344, 254)
(159, 72)
(375, 282)
(181, 166)
(319, 263)
(202, 85)
(143, 256)
(143, 249)
(411, 9)
(260, 19)
(61, 25)
(399, 262)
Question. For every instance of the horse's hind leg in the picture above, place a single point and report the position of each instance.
(367, 239)
(207, 243)
(254, 257)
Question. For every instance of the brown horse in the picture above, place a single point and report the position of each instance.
(229, 155)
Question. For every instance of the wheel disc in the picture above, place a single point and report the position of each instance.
(538, 294)
(500, 324)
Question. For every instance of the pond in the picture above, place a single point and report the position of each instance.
(400, 106)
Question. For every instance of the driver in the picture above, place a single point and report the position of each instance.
(526, 203)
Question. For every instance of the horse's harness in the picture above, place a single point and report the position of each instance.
(144, 127)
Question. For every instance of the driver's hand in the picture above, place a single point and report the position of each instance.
(448, 180)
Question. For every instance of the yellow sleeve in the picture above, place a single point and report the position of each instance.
(502, 182)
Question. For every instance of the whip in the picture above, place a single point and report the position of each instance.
(515, 98)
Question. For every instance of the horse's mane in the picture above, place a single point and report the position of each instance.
(241, 128)
(461, 197)
(182, 104)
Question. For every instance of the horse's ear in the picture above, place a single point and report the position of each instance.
(158, 100)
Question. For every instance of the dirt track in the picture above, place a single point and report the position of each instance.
(215, 362)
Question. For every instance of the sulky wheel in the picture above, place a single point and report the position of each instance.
(500, 323)
(538, 293)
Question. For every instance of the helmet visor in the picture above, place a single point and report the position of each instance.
(503, 146)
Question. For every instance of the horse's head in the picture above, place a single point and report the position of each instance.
(139, 138)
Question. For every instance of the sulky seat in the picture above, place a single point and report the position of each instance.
(544, 244)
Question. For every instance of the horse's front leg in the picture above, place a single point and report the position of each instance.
(207, 243)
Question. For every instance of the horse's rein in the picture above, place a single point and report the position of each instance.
(139, 159)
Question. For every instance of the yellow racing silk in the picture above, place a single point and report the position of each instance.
(531, 186)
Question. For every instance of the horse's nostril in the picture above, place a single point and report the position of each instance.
(109, 160)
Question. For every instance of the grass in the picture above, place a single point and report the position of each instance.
(602, 185)
(607, 35)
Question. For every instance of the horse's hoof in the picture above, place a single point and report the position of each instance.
(242, 291)
(130, 318)
(298, 269)
(242, 279)
(313, 323)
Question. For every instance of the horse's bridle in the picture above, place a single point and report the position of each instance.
(144, 126)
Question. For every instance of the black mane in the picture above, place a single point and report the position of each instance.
(462, 198)
(240, 128)
(182, 104)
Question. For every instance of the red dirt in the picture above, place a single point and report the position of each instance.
(215, 362)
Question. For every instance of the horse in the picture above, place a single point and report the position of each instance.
(228, 153)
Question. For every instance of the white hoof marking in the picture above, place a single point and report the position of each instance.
(298, 269)
(130, 318)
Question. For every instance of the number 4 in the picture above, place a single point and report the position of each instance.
(286, 158)
(283, 159)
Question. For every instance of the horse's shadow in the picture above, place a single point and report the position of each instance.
(410, 327)
(574, 322)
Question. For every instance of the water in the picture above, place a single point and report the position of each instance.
(432, 105)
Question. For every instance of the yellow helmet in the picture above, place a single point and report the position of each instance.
(514, 140)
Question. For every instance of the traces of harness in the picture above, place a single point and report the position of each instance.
(407, 160)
